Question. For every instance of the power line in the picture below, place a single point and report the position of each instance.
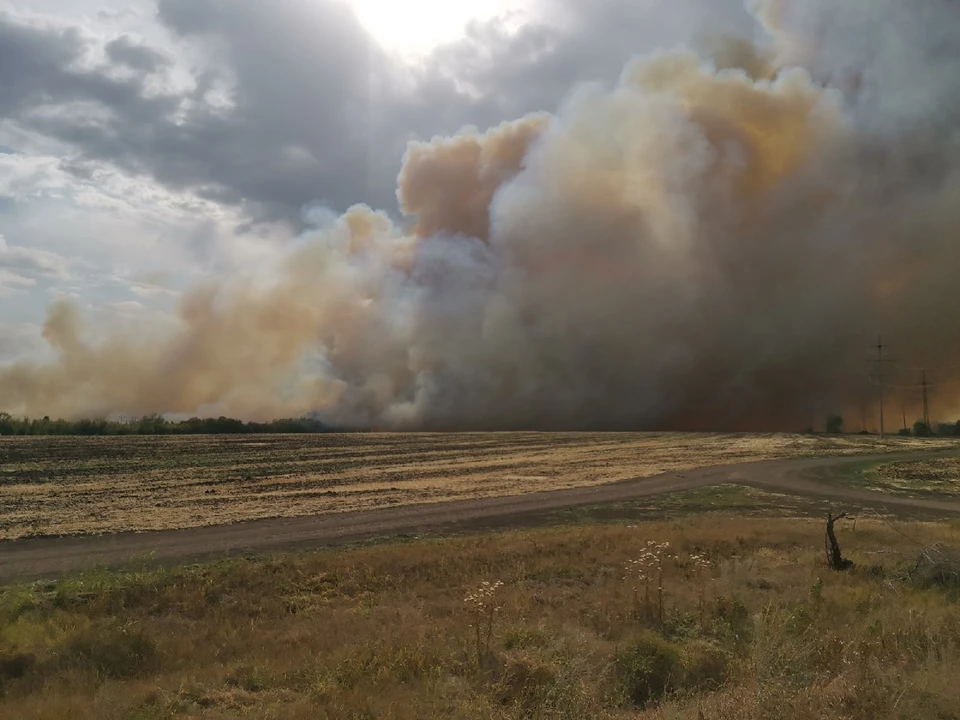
(880, 360)
(919, 385)
(934, 369)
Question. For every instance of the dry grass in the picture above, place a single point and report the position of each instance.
(941, 477)
(383, 631)
(55, 486)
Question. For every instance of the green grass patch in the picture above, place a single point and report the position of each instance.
(913, 478)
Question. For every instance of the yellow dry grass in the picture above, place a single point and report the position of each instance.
(383, 631)
(56, 486)
(941, 476)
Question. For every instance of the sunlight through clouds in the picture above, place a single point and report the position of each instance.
(416, 27)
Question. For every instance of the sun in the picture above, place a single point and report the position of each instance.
(415, 27)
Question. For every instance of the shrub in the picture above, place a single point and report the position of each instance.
(524, 683)
(521, 637)
(251, 678)
(15, 666)
(112, 652)
(706, 666)
(937, 566)
(732, 620)
(648, 669)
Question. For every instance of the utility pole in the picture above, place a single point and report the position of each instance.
(880, 361)
(926, 404)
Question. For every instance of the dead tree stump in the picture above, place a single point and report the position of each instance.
(835, 558)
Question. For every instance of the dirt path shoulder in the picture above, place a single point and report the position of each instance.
(35, 558)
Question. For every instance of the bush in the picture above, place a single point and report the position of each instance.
(15, 666)
(834, 424)
(946, 429)
(521, 637)
(524, 683)
(251, 678)
(937, 567)
(648, 669)
(732, 620)
(112, 652)
(705, 666)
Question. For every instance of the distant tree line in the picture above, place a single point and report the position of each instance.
(158, 425)
(834, 426)
(940, 429)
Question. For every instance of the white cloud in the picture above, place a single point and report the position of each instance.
(33, 261)
(124, 228)
(25, 177)
(11, 282)
(150, 291)
(65, 293)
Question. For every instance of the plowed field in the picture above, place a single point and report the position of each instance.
(73, 485)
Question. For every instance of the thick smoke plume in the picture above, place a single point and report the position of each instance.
(711, 244)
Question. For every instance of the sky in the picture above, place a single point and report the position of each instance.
(147, 145)
(528, 214)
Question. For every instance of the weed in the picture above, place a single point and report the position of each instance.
(639, 572)
(660, 551)
(482, 608)
(701, 566)
(816, 593)
(523, 637)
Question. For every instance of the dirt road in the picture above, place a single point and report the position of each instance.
(807, 477)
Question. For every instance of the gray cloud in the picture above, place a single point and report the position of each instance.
(316, 110)
(32, 63)
(136, 56)
(534, 68)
